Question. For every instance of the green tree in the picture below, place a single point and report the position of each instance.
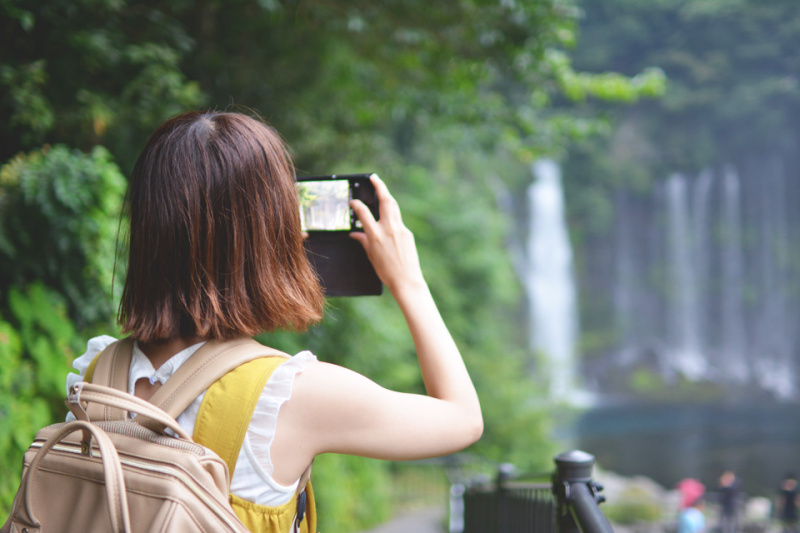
(37, 345)
(89, 72)
(732, 71)
(59, 216)
(59, 213)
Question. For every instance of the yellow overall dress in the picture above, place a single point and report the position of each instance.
(222, 421)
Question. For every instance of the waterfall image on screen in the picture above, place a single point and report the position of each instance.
(324, 205)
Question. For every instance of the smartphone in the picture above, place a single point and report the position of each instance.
(325, 214)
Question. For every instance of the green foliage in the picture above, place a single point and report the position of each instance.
(645, 381)
(732, 85)
(448, 102)
(59, 215)
(612, 86)
(418, 485)
(37, 345)
(633, 512)
(634, 506)
(24, 89)
(90, 72)
(337, 479)
(107, 72)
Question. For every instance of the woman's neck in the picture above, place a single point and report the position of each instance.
(160, 352)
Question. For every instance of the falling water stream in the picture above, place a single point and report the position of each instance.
(702, 285)
(706, 279)
(549, 281)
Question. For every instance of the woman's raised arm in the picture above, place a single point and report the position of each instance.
(351, 414)
(392, 250)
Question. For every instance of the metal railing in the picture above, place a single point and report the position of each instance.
(510, 508)
(569, 504)
(577, 495)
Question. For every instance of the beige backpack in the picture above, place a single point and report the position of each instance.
(108, 472)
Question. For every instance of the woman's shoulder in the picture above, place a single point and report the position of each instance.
(281, 382)
(81, 363)
(94, 346)
(326, 386)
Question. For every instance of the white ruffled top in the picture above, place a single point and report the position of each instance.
(252, 477)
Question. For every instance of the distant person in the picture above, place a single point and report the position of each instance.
(690, 490)
(786, 506)
(729, 488)
(692, 519)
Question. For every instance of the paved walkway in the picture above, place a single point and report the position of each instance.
(430, 520)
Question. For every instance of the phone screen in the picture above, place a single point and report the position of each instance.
(324, 205)
(340, 262)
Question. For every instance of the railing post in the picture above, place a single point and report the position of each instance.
(504, 472)
(577, 495)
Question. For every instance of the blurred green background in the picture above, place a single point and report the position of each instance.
(449, 102)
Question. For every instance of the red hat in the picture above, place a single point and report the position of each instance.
(691, 490)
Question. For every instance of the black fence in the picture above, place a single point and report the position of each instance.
(510, 508)
(568, 504)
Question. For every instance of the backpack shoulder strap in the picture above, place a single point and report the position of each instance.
(228, 406)
(110, 368)
(208, 364)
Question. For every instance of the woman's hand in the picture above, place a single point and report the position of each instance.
(388, 242)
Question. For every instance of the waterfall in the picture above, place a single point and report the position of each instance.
(734, 343)
(549, 282)
(702, 277)
(684, 307)
(775, 347)
(697, 280)
(701, 226)
(625, 293)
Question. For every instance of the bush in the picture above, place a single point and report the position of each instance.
(633, 506)
(37, 345)
(59, 216)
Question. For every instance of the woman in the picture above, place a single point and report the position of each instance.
(216, 252)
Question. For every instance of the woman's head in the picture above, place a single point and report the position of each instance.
(216, 249)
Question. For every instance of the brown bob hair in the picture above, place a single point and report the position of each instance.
(216, 249)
